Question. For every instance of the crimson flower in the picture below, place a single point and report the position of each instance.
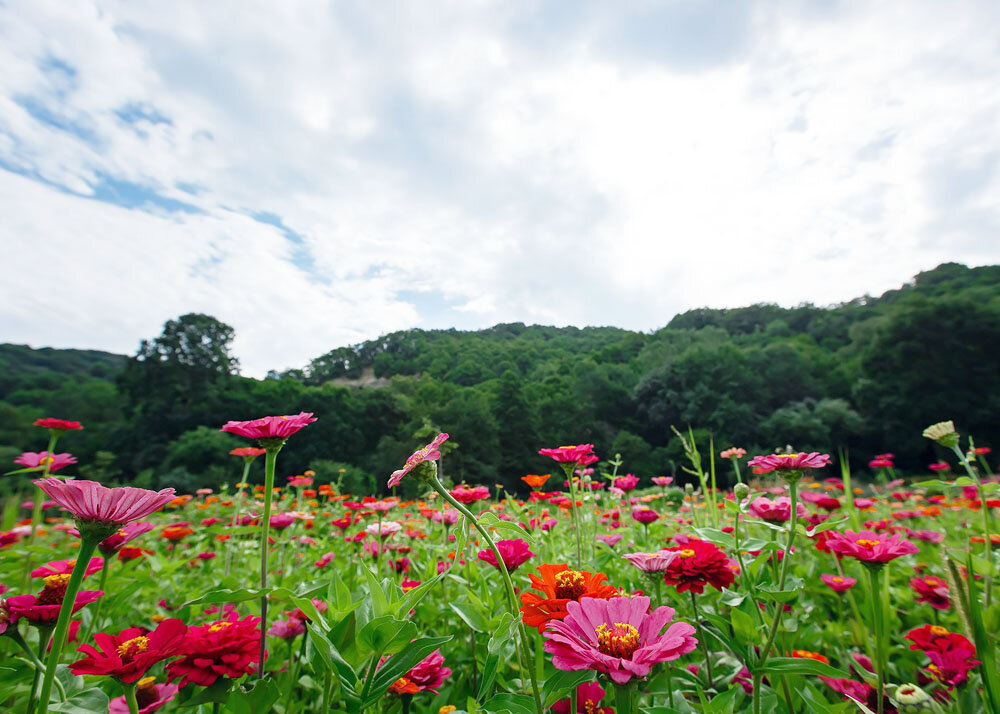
(227, 648)
(90, 501)
(627, 483)
(838, 583)
(698, 563)
(514, 553)
(428, 453)
(466, 494)
(645, 516)
(932, 590)
(37, 460)
(128, 655)
(588, 699)
(427, 675)
(277, 428)
(58, 424)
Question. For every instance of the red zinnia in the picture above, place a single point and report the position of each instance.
(43, 608)
(932, 590)
(698, 563)
(227, 648)
(128, 655)
(560, 585)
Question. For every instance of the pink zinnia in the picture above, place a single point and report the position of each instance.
(33, 460)
(296, 481)
(627, 483)
(270, 427)
(428, 453)
(581, 454)
(663, 481)
(788, 462)
(65, 567)
(448, 517)
(465, 494)
(838, 583)
(733, 452)
(429, 673)
(651, 562)
(126, 534)
(588, 699)
(617, 636)
(514, 553)
(939, 466)
(880, 463)
(870, 547)
(932, 590)
(777, 511)
(610, 539)
(90, 501)
(645, 516)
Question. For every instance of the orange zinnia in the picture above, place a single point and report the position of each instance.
(560, 585)
(536, 480)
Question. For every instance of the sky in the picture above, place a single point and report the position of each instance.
(320, 173)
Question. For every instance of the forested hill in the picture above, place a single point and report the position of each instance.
(868, 375)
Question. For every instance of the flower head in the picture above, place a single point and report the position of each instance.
(627, 483)
(578, 454)
(65, 567)
(428, 453)
(644, 516)
(609, 539)
(588, 699)
(733, 452)
(870, 547)
(698, 563)
(838, 583)
(58, 424)
(618, 637)
(536, 480)
(33, 460)
(652, 562)
(943, 433)
(466, 494)
(247, 453)
(932, 590)
(128, 655)
(514, 552)
(559, 585)
(270, 430)
(287, 629)
(89, 501)
(43, 608)
(787, 464)
(226, 648)
(149, 697)
(123, 536)
(777, 511)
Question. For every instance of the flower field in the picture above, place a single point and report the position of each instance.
(797, 589)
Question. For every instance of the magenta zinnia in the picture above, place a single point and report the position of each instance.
(270, 427)
(651, 562)
(788, 462)
(514, 553)
(618, 637)
(870, 547)
(38, 460)
(427, 453)
(90, 501)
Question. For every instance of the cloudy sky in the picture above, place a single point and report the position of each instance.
(318, 173)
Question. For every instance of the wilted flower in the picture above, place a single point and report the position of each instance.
(427, 453)
(943, 433)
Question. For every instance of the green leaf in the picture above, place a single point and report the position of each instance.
(509, 528)
(385, 635)
(333, 660)
(725, 702)
(743, 626)
(770, 591)
(504, 631)
(513, 703)
(259, 698)
(563, 681)
(218, 692)
(714, 535)
(89, 701)
(226, 595)
(470, 616)
(825, 526)
(399, 664)
(797, 665)
(380, 605)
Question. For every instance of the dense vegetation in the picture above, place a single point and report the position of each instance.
(866, 375)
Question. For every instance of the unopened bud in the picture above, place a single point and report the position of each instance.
(741, 491)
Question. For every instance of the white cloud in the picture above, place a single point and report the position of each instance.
(521, 164)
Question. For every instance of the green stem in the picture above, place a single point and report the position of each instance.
(508, 585)
(987, 521)
(133, 706)
(576, 517)
(702, 639)
(624, 698)
(36, 506)
(237, 515)
(95, 620)
(874, 571)
(88, 545)
(270, 459)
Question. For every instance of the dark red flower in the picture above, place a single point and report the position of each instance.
(60, 424)
(127, 655)
(43, 608)
(932, 590)
(698, 563)
(227, 648)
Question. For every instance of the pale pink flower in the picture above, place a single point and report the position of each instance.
(33, 460)
(90, 501)
(663, 481)
(777, 511)
(384, 529)
(651, 562)
(609, 539)
(734, 452)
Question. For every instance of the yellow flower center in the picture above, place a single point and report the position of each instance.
(938, 631)
(220, 626)
(686, 553)
(620, 641)
(129, 649)
(837, 579)
(569, 585)
(865, 542)
(54, 590)
(145, 682)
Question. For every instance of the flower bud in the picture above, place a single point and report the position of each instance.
(943, 433)
(911, 699)
(741, 491)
